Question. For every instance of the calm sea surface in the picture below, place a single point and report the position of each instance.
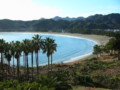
(69, 48)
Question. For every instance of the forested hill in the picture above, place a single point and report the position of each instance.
(58, 24)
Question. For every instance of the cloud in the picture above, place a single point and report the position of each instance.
(25, 10)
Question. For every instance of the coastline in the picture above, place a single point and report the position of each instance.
(99, 39)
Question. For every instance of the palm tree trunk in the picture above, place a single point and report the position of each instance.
(51, 62)
(32, 63)
(27, 67)
(25, 64)
(2, 62)
(48, 63)
(13, 66)
(18, 68)
(2, 65)
(37, 63)
(23, 59)
(8, 66)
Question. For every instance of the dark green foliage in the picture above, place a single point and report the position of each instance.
(95, 65)
(114, 45)
(86, 75)
(85, 80)
(63, 79)
(97, 50)
(92, 59)
(42, 83)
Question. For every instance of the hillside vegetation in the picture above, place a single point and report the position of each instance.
(92, 73)
(98, 21)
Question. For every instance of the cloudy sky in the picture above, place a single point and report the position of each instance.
(36, 9)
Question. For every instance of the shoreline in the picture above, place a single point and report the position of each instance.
(99, 39)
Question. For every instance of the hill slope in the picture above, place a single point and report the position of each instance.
(98, 21)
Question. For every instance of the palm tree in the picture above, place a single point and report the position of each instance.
(17, 56)
(13, 53)
(8, 54)
(49, 47)
(37, 46)
(26, 50)
(46, 49)
(2, 48)
(31, 46)
(52, 49)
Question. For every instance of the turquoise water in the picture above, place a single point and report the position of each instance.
(69, 48)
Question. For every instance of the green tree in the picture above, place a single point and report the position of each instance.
(97, 50)
(37, 46)
(49, 47)
(13, 53)
(117, 43)
(52, 50)
(31, 47)
(8, 54)
(110, 46)
(26, 50)
(17, 56)
(114, 45)
(2, 48)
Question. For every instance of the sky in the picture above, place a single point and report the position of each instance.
(36, 9)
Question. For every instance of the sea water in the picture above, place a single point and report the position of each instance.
(69, 48)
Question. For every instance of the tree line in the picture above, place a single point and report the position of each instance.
(112, 47)
(14, 50)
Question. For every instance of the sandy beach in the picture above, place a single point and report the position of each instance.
(101, 40)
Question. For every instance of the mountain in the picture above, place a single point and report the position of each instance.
(58, 24)
(57, 18)
(67, 18)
